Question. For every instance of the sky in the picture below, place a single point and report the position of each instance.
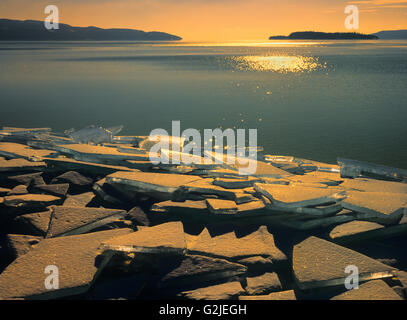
(217, 20)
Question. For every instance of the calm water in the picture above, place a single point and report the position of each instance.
(316, 100)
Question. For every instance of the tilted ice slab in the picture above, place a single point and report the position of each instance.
(380, 207)
(320, 263)
(157, 184)
(297, 196)
(164, 238)
(354, 168)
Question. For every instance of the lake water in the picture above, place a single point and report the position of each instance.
(315, 100)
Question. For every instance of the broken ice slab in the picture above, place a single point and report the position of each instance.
(58, 190)
(20, 165)
(306, 213)
(229, 246)
(16, 150)
(257, 264)
(248, 166)
(23, 131)
(328, 179)
(19, 244)
(372, 185)
(99, 188)
(166, 142)
(276, 158)
(380, 207)
(133, 140)
(48, 139)
(281, 295)
(129, 149)
(73, 178)
(164, 238)
(298, 196)
(18, 190)
(79, 200)
(252, 208)
(371, 290)
(206, 187)
(193, 269)
(354, 168)
(263, 284)
(312, 165)
(100, 154)
(74, 257)
(219, 206)
(218, 173)
(30, 201)
(323, 222)
(303, 164)
(224, 291)
(159, 185)
(143, 165)
(30, 179)
(357, 231)
(235, 183)
(319, 263)
(66, 221)
(93, 134)
(33, 223)
(185, 207)
(115, 130)
(68, 164)
(175, 157)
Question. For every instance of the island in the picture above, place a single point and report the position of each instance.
(392, 34)
(33, 30)
(313, 35)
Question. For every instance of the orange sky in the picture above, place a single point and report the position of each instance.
(221, 20)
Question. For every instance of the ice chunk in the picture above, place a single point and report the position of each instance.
(354, 168)
(94, 134)
(320, 263)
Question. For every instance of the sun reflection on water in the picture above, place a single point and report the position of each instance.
(281, 64)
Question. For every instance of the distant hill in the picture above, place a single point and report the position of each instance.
(392, 35)
(32, 30)
(312, 35)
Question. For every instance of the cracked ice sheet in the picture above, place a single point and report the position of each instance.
(148, 182)
(181, 158)
(319, 263)
(298, 196)
(22, 131)
(206, 187)
(353, 168)
(364, 230)
(69, 164)
(92, 153)
(20, 164)
(73, 255)
(380, 207)
(16, 150)
(229, 246)
(247, 165)
(164, 238)
(94, 134)
(162, 142)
